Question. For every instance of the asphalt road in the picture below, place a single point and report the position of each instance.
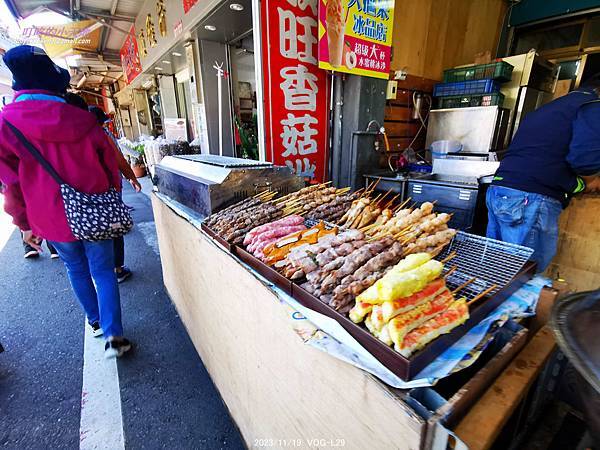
(167, 397)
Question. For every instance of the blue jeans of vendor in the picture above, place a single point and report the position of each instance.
(524, 218)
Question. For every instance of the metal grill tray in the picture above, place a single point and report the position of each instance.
(407, 368)
(225, 161)
(218, 239)
(488, 260)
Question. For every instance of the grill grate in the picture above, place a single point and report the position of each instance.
(489, 261)
(225, 161)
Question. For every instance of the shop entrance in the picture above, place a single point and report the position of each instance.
(228, 79)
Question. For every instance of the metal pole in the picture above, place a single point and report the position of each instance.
(336, 142)
(259, 75)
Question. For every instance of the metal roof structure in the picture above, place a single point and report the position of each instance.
(102, 66)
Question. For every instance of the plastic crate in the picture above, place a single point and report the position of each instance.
(466, 101)
(465, 88)
(499, 71)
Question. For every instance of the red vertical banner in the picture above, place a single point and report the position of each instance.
(130, 58)
(296, 91)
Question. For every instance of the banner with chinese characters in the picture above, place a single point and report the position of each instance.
(355, 36)
(130, 58)
(296, 91)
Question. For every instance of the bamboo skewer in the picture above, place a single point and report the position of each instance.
(483, 294)
(464, 285)
(402, 205)
(450, 272)
(391, 202)
(449, 257)
(374, 186)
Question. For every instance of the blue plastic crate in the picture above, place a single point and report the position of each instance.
(466, 88)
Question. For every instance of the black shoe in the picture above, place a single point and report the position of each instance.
(123, 274)
(31, 252)
(96, 329)
(116, 346)
(54, 256)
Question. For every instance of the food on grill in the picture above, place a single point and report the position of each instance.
(356, 282)
(396, 285)
(303, 260)
(402, 324)
(257, 231)
(333, 210)
(276, 252)
(358, 313)
(433, 244)
(402, 305)
(456, 314)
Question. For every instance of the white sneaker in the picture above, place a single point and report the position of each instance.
(115, 347)
(96, 329)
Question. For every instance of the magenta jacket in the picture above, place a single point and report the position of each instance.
(76, 146)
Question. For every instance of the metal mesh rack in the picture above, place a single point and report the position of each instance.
(488, 260)
(225, 161)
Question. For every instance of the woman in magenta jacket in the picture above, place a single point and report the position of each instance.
(72, 142)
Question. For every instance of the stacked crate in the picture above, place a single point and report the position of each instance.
(472, 86)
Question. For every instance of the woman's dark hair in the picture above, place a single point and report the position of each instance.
(75, 100)
(101, 116)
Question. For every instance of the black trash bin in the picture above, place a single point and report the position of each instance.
(576, 325)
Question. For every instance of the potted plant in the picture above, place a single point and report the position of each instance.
(137, 163)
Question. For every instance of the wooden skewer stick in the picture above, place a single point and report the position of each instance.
(450, 272)
(449, 257)
(343, 190)
(391, 202)
(374, 186)
(384, 196)
(402, 205)
(464, 285)
(483, 294)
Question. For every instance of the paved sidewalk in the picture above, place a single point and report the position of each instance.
(166, 396)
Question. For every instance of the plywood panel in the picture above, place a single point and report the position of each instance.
(274, 385)
(411, 28)
(578, 256)
(433, 35)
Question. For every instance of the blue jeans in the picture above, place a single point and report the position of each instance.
(90, 267)
(526, 219)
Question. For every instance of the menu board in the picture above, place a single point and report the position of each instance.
(355, 36)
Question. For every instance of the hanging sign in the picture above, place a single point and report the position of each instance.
(355, 36)
(188, 4)
(130, 58)
(295, 89)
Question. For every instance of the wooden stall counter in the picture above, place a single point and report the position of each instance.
(283, 393)
(279, 391)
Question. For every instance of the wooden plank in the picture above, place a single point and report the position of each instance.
(459, 403)
(401, 129)
(398, 113)
(544, 308)
(577, 258)
(399, 144)
(432, 35)
(275, 386)
(485, 420)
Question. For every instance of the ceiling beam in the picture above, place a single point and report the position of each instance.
(112, 16)
(103, 22)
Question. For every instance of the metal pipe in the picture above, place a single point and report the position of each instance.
(336, 142)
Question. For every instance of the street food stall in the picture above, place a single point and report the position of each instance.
(340, 289)
(307, 305)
